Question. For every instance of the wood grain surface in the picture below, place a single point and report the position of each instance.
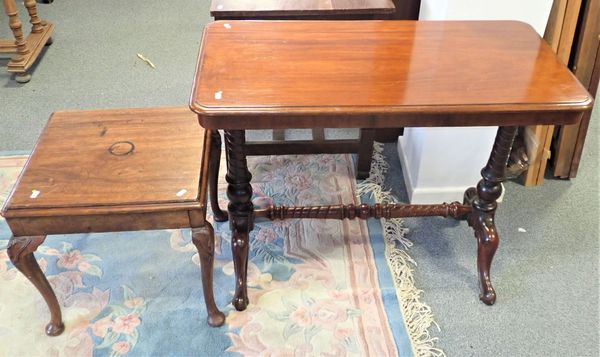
(95, 160)
(371, 68)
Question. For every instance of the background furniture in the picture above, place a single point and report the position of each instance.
(113, 170)
(569, 139)
(525, 84)
(573, 29)
(559, 34)
(319, 10)
(27, 49)
(301, 9)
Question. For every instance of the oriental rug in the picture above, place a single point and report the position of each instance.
(317, 288)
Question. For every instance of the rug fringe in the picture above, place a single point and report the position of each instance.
(417, 315)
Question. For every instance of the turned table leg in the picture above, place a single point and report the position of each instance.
(241, 217)
(36, 23)
(204, 240)
(213, 177)
(17, 29)
(365, 153)
(20, 251)
(483, 200)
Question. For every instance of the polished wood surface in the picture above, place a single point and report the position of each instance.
(374, 74)
(113, 170)
(298, 9)
(378, 68)
(116, 157)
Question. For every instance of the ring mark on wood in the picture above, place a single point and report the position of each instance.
(121, 148)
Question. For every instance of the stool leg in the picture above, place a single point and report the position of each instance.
(484, 204)
(36, 23)
(204, 240)
(17, 29)
(365, 153)
(241, 211)
(213, 177)
(20, 251)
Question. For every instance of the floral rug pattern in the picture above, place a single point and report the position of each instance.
(315, 288)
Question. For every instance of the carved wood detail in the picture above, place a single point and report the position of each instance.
(204, 240)
(20, 252)
(365, 211)
(36, 23)
(17, 29)
(240, 208)
(481, 219)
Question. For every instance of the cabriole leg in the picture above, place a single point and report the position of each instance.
(204, 240)
(484, 204)
(20, 252)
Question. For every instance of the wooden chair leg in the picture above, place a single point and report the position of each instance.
(365, 153)
(213, 177)
(17, 29)
(36, 23)
(20, 251)
(204, 240)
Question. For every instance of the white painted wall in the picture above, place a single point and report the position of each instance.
(534, 12)
(440, 163)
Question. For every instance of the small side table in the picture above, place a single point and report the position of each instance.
(27, 49)
(114, 170)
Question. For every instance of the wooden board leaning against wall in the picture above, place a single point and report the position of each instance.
(560, 33)
(585, 62)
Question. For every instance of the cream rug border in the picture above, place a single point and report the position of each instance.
(417, 315)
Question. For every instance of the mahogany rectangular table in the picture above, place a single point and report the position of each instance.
(378, 74)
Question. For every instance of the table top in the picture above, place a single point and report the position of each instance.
(271, 74)
(112, 158)
(291, 8)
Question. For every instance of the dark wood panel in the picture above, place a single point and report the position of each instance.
(378, 68)
(299, 9)
(302, 147)
(413, 118)
(569, 141)
(98, 223)
(406, 10)
(585, 120)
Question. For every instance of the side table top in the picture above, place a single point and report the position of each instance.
(278, 8)
(113, 158)
(367, 72)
